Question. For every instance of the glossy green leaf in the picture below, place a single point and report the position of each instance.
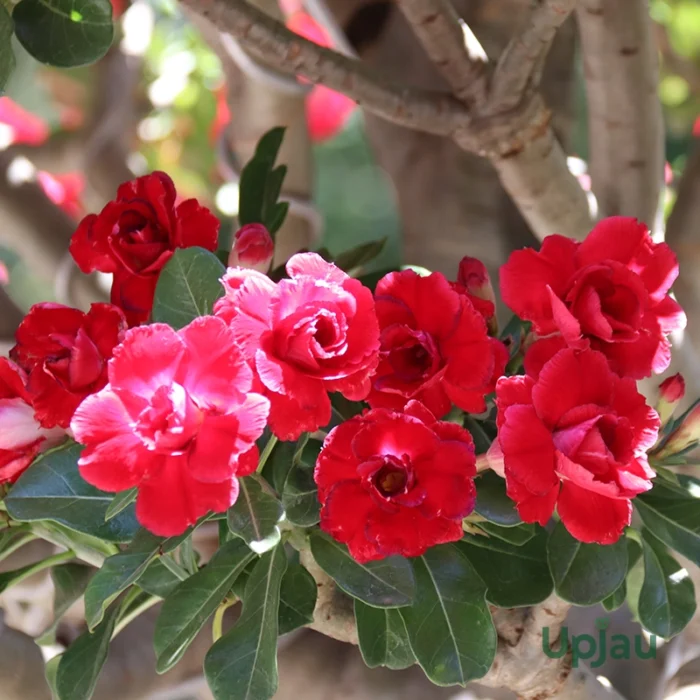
(50, 673)
(187, 287)
(517, 534)
(300, 497)
(616, 599)
(383, 637)
(387, 583)
(242, 665)
(360, 255)
(585, 574)
(667, 597)
(297, 598)
(514, 575)
(672, 513)
(52, 489)
(261, 184)
(492, 502)
(121, 501)
(118, 573)
(255, 516)
(65, 33)
(81, 664)
(194, 601)
(449, 624)
(482, 441)
(158, 580)
(69, 582)
(7, 56)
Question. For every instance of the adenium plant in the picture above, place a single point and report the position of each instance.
(382, 435)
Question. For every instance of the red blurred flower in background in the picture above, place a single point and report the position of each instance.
(65, 353)
(434, 346)
(395, 483)
(575, 435)
(609, 292)
(21, 436)
(135, 235)
(305, 336)
(176, 421)
(64, 190)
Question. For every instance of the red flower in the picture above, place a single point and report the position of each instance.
(305, 336)
(434, 346)
(575, 436)
(609, 293)
(135, 235)
(395, 483)
(176, 420)
(253, 248)
(64, 190)
(21, 436)
(671, 393)
(65, 352)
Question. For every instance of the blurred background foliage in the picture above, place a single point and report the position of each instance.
(182, 111)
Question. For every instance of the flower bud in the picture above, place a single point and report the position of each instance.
(474, 278)
(671, 392)
(685, 435)
(253, 248)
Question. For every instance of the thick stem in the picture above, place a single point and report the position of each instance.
(625, 123)
(548, 196)
(450, 45)
(269, 41)
(520, 66)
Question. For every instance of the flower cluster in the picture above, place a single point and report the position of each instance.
(177, 414)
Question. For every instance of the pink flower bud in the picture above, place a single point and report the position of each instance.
(253, 248)
(474, 278)
(671, 391)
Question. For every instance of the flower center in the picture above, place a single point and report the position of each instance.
(390, 480)
(414, 358)
(170, 422)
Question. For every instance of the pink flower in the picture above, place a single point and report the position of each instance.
(24, 127)
(253, 248)
(21, 435)
(177, 421)
(64, 190)
(305, 336)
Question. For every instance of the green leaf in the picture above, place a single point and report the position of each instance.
(260, 185)
(52, 489)
(513, 334)
(387, 583)
(300, 497)
(360, 255)
(242, 665)
(65, 33)
(492, 502)
(667, 598)
(517, 535)
(158, 580)
(7, 56)
(69, 582)
(449, 625)
(120, 502)
(514, 575)
(383, 637)
(482, 442)
(50, 673)
(585, 574)
(672, 513)
(118, 573)
(81, 664)
(297, 599)
(616, 599)
(255, 515)
(194, 601)
(187, 287)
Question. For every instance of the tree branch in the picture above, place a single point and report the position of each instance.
(271, 42)
(450, 45)
(519, 68)
(625, 123)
